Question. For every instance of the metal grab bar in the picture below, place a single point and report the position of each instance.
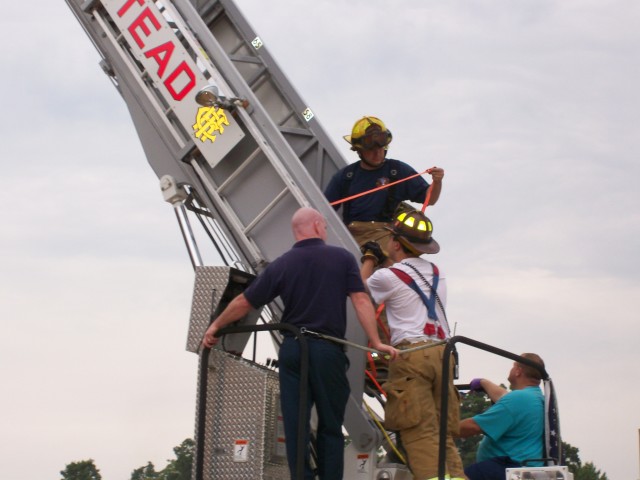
(444, 398)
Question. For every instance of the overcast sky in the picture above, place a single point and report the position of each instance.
(531, 107)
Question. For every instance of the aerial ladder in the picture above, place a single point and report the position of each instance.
(244, 159)
(235, 147)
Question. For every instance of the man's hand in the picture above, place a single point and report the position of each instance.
(388, 349)
(437, 174)
(209, 339)
(373, 249)
(237, 308)
(476, 385)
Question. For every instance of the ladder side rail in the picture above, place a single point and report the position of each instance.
(260, 124)
(298, 105)
(326, 160)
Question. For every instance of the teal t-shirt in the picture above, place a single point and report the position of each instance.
(513, 427)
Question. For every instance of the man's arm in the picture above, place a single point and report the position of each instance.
(366, 270)
(367, 318)
(237, 309)
(469, 428)
(437, 174)
(493, 391)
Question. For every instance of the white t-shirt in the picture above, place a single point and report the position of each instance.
(406, 312)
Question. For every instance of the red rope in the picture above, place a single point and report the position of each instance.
(382, 326)
(427, 198)
(375, 382)
(372, 364)
(381, 187)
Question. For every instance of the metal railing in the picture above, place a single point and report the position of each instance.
(444, 407)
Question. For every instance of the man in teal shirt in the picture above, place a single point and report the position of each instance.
(513, 427)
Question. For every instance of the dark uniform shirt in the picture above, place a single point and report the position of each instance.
(375, 207)
(313, 280)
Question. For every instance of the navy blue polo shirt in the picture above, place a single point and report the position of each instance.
(313, 280)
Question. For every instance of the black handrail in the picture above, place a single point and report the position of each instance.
(304, 375)
(444, 398)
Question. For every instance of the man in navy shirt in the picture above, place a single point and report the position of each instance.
(313, 280)
(364, 215)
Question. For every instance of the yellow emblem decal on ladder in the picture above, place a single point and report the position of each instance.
(209, 121)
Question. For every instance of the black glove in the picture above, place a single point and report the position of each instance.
(373, 250)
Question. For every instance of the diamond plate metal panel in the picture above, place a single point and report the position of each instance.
(212, 286)
(241, 433)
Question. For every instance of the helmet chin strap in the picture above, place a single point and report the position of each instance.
(408, 246)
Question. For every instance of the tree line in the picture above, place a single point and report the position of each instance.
(180, 467)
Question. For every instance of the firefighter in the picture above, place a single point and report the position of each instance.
(414, 292)
(364, 216)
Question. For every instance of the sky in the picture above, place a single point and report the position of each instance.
(531, 107)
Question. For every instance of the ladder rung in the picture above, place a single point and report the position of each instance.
(266, 210)
(243, 166)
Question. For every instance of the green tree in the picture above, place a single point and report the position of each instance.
(82, 470)
(178, 468)
(470, 404)
(147, 472)
(588, 471)
(571, 456)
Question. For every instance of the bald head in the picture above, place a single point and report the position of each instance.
(308, 223)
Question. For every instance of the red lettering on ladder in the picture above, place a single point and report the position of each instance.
(182, 80)
(161, 54)
(127, 5)
(182, 68)
(139, 23)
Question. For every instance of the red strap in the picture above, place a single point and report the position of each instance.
(427, 198)
(402, 275)
(382, 187)
(382, 326)
(429, 328)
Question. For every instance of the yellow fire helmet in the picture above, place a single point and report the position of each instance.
(413, 229)
(369, 133)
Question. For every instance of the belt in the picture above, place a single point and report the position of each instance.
(313, 335)
(357, 223)
(407, 344)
